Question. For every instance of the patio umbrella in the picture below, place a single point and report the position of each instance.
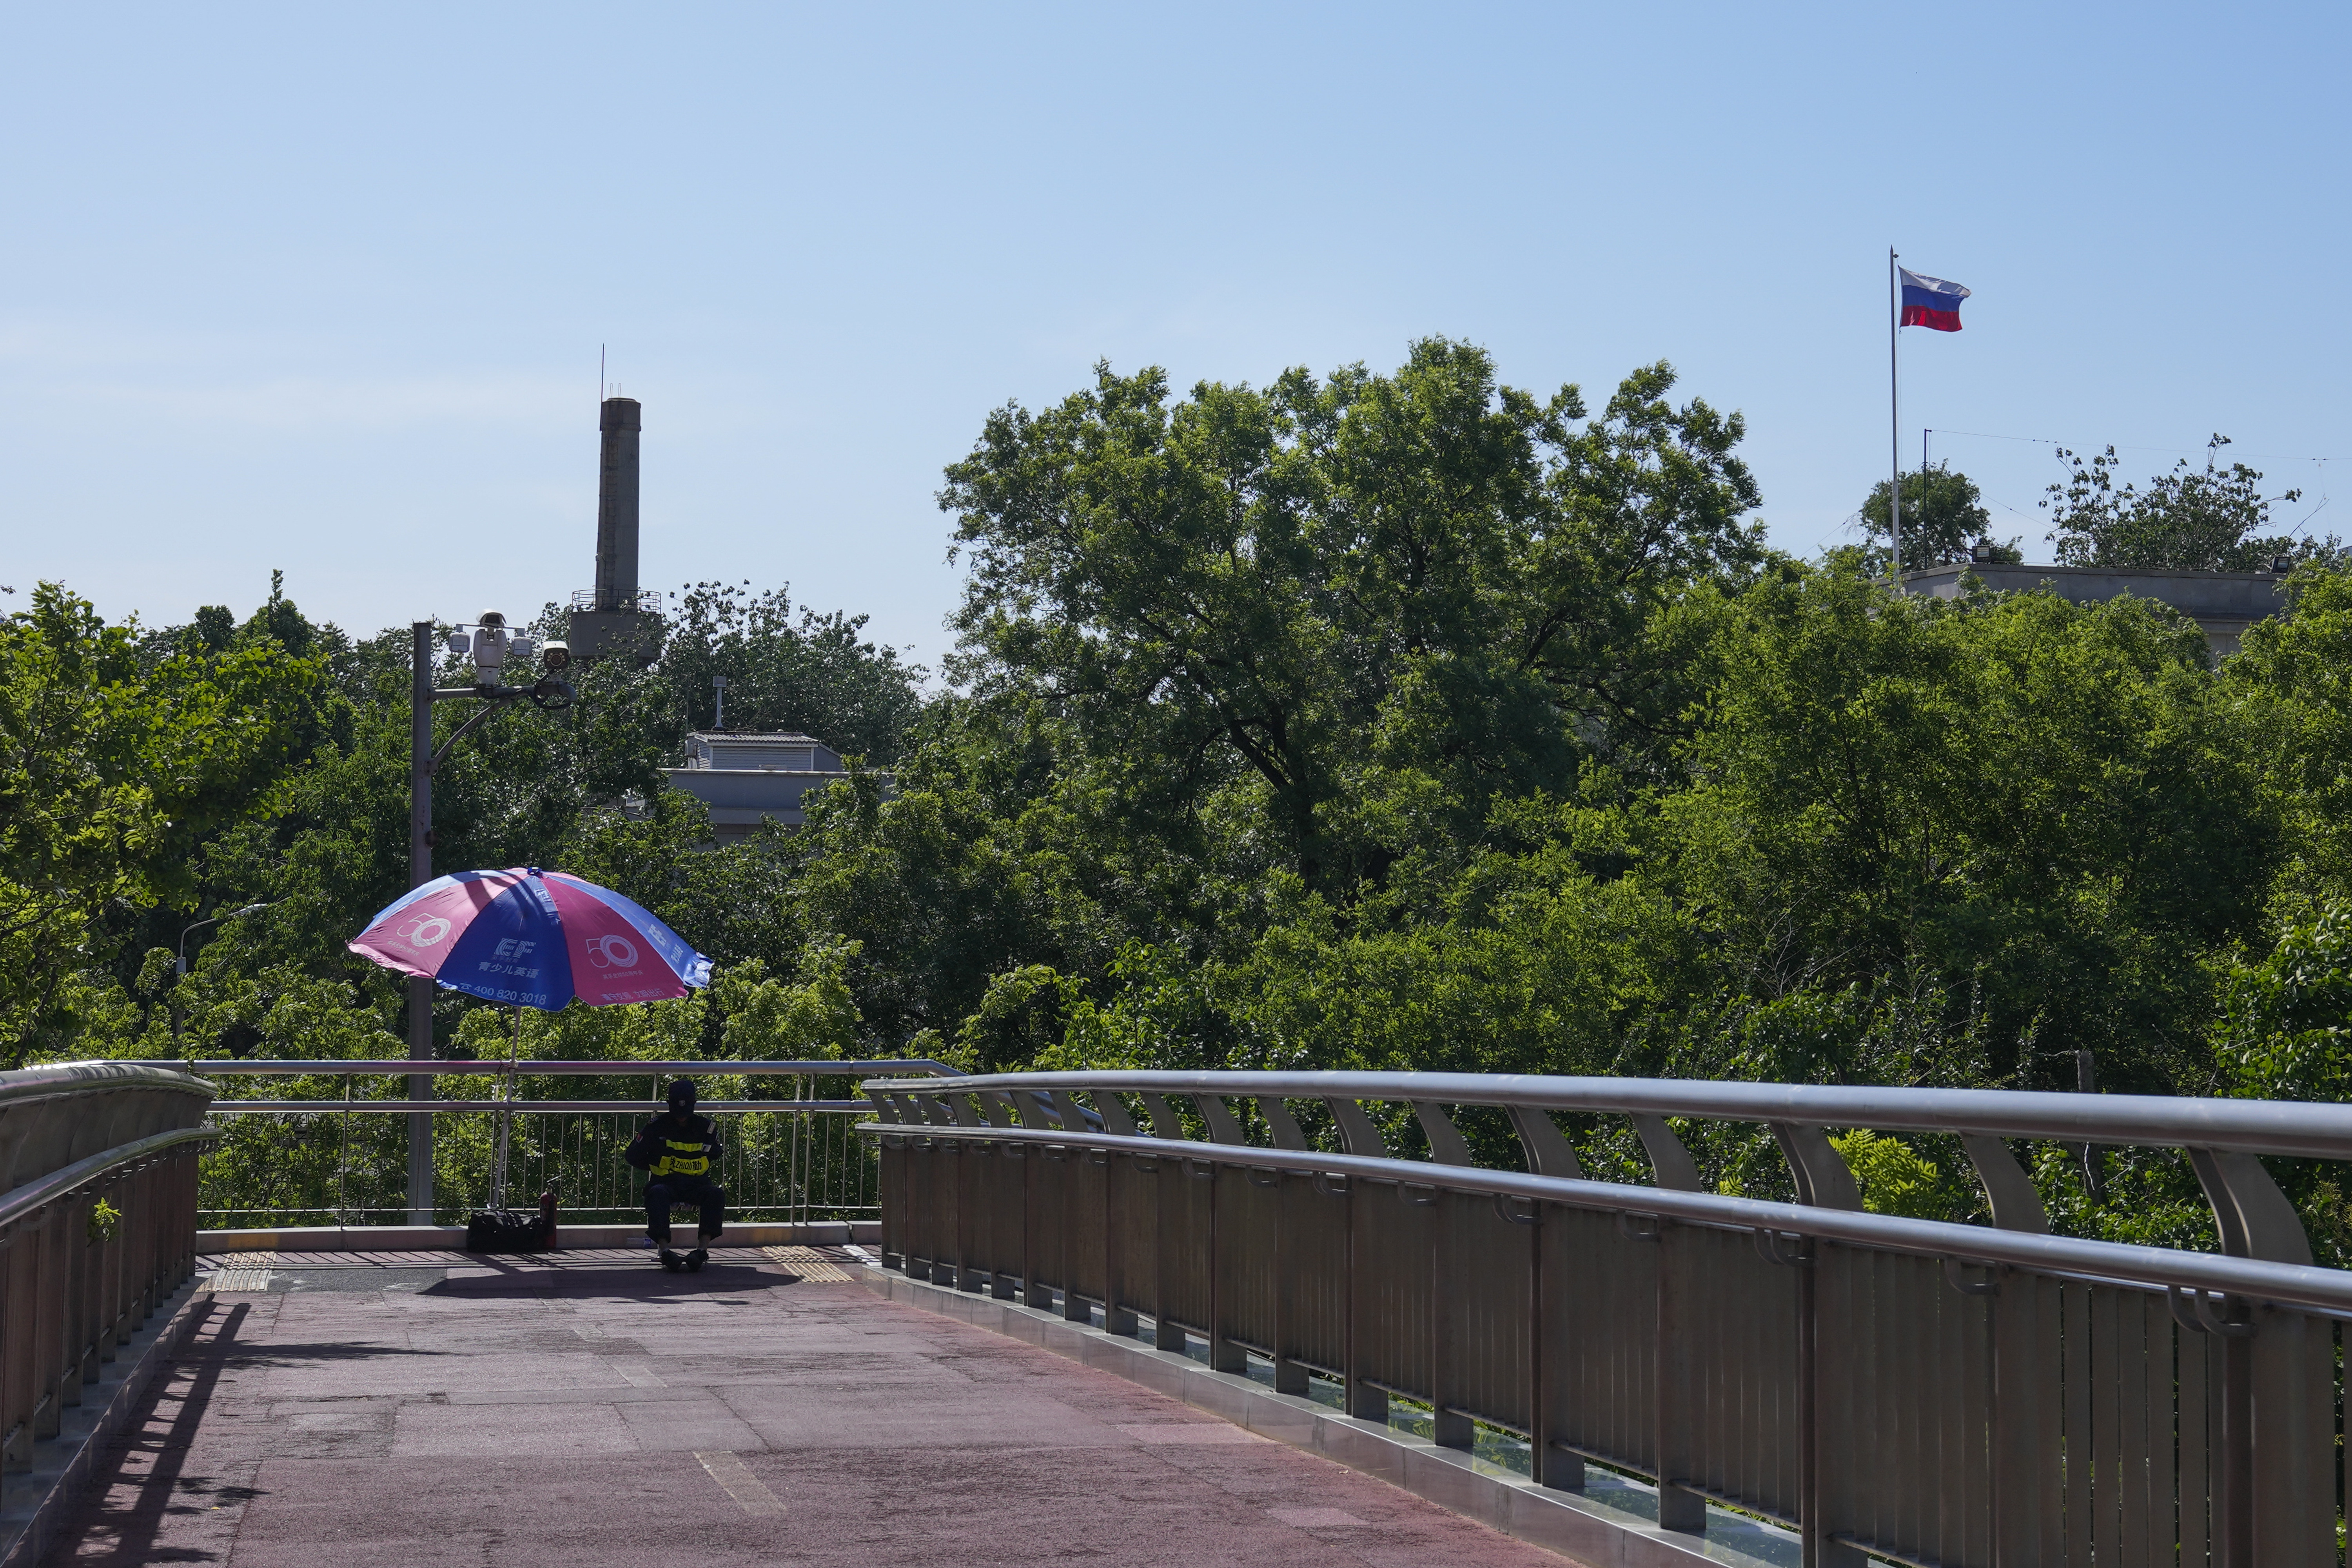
(530, 939)
(534, 939)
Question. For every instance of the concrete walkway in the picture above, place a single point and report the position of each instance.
(589, 1409)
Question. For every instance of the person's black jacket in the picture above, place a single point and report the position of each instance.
(662, 1137)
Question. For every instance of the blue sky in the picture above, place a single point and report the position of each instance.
(323, 288)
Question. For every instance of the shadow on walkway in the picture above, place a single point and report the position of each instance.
(104, 1535)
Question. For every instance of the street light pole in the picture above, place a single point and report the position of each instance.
(420, 871)
(180, 966)
(488, 649)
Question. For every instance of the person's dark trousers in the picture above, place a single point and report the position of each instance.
(664, 1191)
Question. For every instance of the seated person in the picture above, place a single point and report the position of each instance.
(675, 1150)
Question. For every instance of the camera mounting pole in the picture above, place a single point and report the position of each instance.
(548, 692)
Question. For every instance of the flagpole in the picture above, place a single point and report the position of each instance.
(1894, 416)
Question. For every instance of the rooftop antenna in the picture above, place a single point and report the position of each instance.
(599, 373)
(718, 718)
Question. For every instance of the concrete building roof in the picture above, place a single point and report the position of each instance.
(2223, 603)
(747, 778)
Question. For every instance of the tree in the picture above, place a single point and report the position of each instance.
(815, 674)
(115, 776)
(2038, 804)
(2187, 520)
(1319, 603)
(1944, 520)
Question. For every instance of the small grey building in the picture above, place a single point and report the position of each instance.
(2223, 603)
(744, 779)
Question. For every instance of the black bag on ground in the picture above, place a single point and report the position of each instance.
(506, 1230)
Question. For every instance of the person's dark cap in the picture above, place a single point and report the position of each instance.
(682, 1094)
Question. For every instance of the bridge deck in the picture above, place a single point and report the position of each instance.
(588, 1409)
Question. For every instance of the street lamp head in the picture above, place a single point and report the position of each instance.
(249, 909)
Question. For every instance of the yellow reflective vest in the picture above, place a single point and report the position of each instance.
(676, 1156)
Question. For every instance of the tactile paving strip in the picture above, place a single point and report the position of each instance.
(813, 1266)
(222, 1281)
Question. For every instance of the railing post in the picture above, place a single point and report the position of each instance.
(1007, 1217)
(1224, 1354)
(48, 1327)
(15, 1358)
(1290, 1377)
(1448, 1427)
(1550, 1465)
(890, 1174)
(963, 1176)
(1073, 1307)
(1165, 1334)
(1033, 1161)
(2024, 1473)
(1677, 1414)
(1117, 1317)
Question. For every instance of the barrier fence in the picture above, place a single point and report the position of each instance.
(326, 1142)
(1910, 1390)
(98, 1188)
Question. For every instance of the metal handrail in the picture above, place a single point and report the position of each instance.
(2326, 1290)
(20, 1201)
(397, 1066)
(61, 1079)
(617, 1107)
(2238, 1126)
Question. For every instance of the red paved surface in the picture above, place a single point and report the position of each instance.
(595, 1410)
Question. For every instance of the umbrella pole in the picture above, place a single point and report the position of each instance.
(506, 1117)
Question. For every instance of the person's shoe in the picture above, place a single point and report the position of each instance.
(671, 1260)
(697, 1258)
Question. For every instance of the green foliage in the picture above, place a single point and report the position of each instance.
(2188, 519)
(1894, 1178)
(2286, 1019)
(1943, 519)
(1331, 604)
(814, 675)
(104, 1220)
(114, 774)
(2036, 805)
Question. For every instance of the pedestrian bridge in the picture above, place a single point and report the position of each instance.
(585, 1409)
(1186, 1318)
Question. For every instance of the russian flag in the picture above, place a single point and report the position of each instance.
(1931, 301)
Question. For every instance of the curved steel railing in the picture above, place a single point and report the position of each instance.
(812, 1170)
(1917, 1389)
(98, 1224)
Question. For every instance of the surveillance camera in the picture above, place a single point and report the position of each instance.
(492, 618)
(554, 656)
(459, 643)
(521, 645)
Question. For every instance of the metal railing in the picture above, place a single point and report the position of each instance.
(97, 1186)
(1912, 1390)
(334, 1152)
